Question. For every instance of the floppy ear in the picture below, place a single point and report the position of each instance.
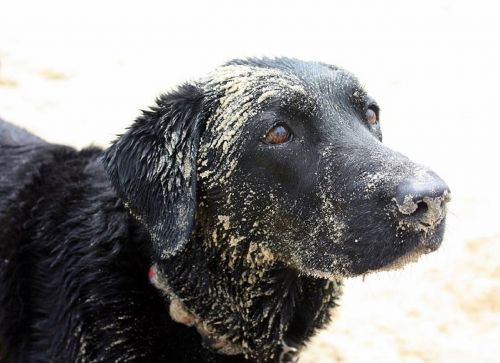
(153, 167)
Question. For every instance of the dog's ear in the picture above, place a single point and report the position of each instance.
(153, 167)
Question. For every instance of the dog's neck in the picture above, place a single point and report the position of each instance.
(242, 299)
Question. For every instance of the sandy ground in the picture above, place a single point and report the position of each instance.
(78, 75)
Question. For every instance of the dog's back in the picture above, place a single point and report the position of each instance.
(13, 135)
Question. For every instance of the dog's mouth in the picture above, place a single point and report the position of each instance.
(383, 253)
(409, 257)
(418, 244)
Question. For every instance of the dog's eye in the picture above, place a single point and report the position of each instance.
(277, 135)
(371, 116)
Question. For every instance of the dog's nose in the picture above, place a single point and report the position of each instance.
(422, 202)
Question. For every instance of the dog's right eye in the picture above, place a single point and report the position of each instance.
(278, 134)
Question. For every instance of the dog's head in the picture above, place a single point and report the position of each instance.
(280, 156)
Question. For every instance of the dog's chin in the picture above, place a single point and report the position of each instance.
(320, 274)
(423, 244)
(409, 257)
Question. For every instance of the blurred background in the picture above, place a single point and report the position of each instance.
(78, 72)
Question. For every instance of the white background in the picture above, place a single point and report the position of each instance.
(77, 73)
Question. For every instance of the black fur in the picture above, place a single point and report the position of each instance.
(252, 239)
(74, 265)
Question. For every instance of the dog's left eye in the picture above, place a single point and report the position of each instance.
(371, 116)
(278, 134)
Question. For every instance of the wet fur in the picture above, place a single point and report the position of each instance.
(254, 241)
(73, 266)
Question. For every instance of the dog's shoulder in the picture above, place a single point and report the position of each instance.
(22, 160)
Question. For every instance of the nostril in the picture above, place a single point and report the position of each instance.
(422, 209)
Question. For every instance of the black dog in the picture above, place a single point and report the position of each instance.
(248, 196)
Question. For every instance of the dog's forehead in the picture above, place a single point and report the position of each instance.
(243, 89)
(245, 85)
(311, 81)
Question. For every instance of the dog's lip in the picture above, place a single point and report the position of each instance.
(411, 256)
(418, 243)
(429, 240)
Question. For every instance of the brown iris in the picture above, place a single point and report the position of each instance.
(277, 135)
(371, 116)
